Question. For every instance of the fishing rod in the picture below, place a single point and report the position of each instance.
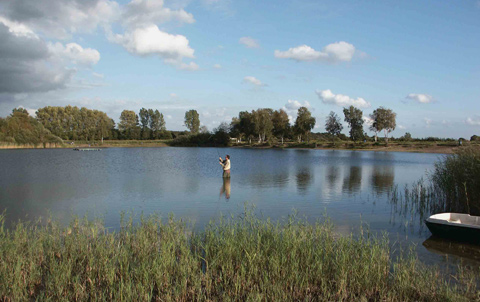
(215, 144)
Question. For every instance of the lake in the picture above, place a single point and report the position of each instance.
(350, 187)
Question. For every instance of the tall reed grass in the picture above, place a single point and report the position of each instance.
(457, 179)
(240, 259)
(452, 186)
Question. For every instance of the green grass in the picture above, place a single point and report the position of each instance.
(241, 259)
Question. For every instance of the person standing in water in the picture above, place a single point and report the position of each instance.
(226, 166)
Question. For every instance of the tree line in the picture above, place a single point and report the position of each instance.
(381, 119)
(148, 124)
(20, 128)
(54, 124)
(261, 125)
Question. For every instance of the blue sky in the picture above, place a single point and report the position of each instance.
(419, 58)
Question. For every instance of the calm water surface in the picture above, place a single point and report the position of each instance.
(351, 187)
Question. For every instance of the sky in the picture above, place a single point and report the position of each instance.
(419, 58)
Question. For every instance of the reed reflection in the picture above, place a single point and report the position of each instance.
(226, 188)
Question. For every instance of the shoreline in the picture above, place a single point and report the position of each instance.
(414, 147)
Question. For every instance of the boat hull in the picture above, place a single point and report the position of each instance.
(454, 232)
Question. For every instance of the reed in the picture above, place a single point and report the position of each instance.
(452, 186)
(235, 259)
(457, 178)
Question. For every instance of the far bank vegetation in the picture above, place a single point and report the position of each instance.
(61, 126)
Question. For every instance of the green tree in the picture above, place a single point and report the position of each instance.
(354, 118)
(128, 125)
(76, 123)
(333, 125)
(407, 137)
(304, 123)
(262, 119)
(192, 121)
(246, 124)
(21, 128)
(235, 130)
(156, 123)
(220, 134)
(145, 123)
(203, 129)
(281, 124)
(384, 119)
(375, 127)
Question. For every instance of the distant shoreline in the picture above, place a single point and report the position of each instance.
(413, 147)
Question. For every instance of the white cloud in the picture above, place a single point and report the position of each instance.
(192, 66)
(75, 53)
(327, 97)
(473, 121)
(31, 112)
(223, 6)
(420, 98)
(254, 81)
(292, 106)
(173, 95)
(150, 40)
(249, 42)
(335, 52)
(217, 66)
(26, 63)
(98, 75)
(401, 127)
(428, 122)
(147, 12)
(18, 29)
(61, 18)
(368, 120)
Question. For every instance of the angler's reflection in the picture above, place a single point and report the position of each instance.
(226, 188)
(383, 178)
(353, 181)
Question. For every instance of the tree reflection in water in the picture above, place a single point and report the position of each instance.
(353, 182)
(304, 179)
(333, 173)
(383, 179)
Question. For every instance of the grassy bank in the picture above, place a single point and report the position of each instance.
(244, 259)
(420, 147)
(5, 145)
(212, 141)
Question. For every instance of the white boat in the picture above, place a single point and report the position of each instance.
(456, 226)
